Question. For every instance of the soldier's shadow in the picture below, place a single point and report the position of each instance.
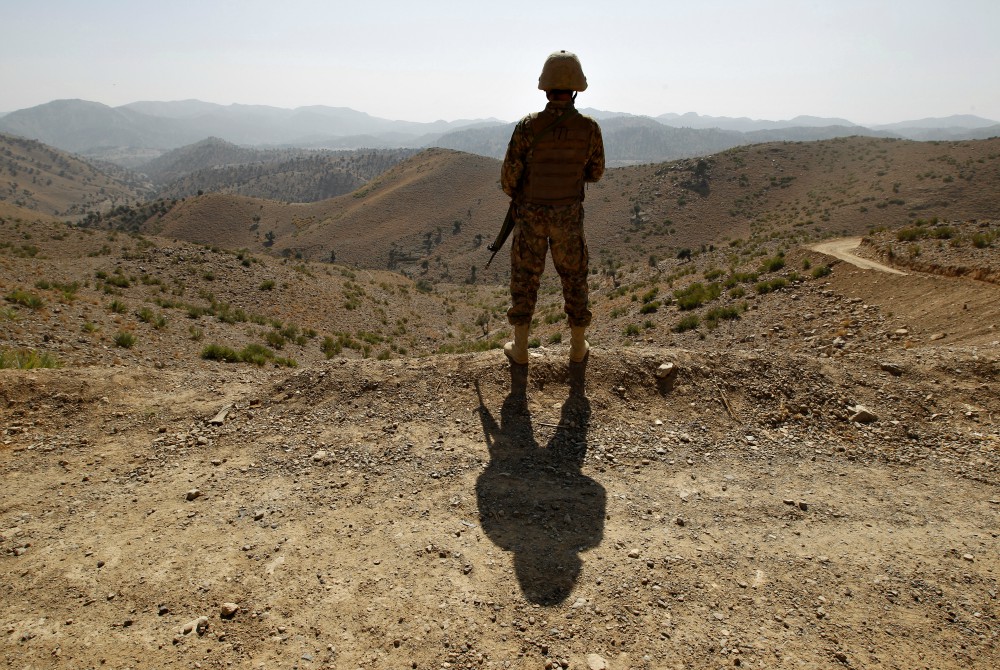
(533, 500)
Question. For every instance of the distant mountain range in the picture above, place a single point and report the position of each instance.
(134, 134)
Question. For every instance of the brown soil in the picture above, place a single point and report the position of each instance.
(445, 511)
(815, 485)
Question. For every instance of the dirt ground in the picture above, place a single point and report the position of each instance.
(780, 500)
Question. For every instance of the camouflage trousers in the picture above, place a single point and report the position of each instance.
(540, 228)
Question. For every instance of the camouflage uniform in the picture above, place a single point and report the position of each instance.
(540, 227)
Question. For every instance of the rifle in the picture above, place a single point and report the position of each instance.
(508, 225)
(508, 222)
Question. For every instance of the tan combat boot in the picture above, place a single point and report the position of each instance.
(517, 351)
(579, 348)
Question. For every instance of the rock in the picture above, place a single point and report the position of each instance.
(319, 456)
(891, 368)
(220, 418)
(665, 370)
(938, 336)
(193, 494)
(634, 553)
(595, 662)
(228, 610)
(199, 626)
(861, 414)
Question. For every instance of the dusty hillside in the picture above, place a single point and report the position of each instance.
(431, 207)
(46, 180)
(378, 514)
(288, 175)
(433, 215)
(773, 458)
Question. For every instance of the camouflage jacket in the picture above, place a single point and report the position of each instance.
(523, 141)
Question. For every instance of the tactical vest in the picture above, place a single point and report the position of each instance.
(554, 168)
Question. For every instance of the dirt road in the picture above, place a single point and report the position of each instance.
(843, 247)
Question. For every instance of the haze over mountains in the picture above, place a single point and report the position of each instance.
(134, 134)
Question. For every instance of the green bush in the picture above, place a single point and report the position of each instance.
(740, 278)
(275, 339)
(256, 354)
(717, 314)
(696, 295)
(25, 299)
(769, 286)
(689, 322)
(821, 271)
(773, 264)
(217, 352)
(983, 240)
(331, 347)
(27, 359)
(124, 339)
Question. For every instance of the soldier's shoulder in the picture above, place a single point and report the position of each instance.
(526, 121)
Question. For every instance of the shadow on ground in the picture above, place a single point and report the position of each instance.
(533, 500)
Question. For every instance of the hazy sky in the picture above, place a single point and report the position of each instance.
(869, 61)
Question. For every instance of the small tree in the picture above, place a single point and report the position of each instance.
(483, 321)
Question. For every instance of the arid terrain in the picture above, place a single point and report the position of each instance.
(249, 459)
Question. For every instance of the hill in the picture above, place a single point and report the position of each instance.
(432, 215)
(290, 175)
(220, 448)
(825, 460)
(133, 134)
(48, 181)
(632, 140)
(123, 133)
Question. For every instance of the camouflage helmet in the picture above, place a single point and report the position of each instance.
(562, 72)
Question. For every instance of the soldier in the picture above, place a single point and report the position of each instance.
(551, 155)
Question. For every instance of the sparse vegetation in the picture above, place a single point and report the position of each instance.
(27, 359)
(689, 322)
(252, 353)
(124, 339)
(25, 299)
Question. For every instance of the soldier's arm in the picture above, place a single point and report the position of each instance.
(513, 162)
(594, 169)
